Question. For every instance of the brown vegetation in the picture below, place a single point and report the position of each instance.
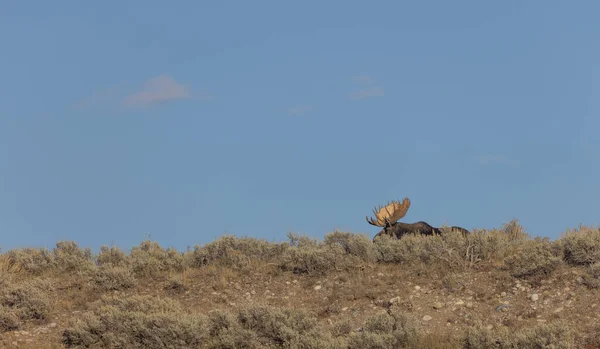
(494, 288)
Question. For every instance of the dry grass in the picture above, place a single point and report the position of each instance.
(447, 291)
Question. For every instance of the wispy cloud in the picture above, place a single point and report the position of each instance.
(299, 110)
(156, 90)
(102, 98)
(364, 79)
(369, 88)
(495, 159)
(373, 91)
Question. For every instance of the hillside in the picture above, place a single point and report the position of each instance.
(496, 288)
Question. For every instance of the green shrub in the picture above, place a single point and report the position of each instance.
(555, 335)
(267, 327)
(399, 251)
(393, 330)
(9, 321)
(358, 245)
(154, 322)
(592, 276)
(175, 284)
(581, 246)
(447, 249)
(235, 252)
(69, 257)
(150, 259)
(295, 328)
(226, 332)
(514, 231)
(32, 260)
(136, 322)
(113, 278)
(318, 260)
(339, 251)
(111, 256)
(28, 300)
(534, 259)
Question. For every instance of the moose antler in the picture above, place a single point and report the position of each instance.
(389, 214)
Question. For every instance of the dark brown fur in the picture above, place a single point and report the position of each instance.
(399, 229)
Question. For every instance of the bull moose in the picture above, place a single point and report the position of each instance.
(387, 217)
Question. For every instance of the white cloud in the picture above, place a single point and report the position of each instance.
(99, 99)
(363, 79)
(156, 90)
(373, 91)
(299, 110)
(369, 88)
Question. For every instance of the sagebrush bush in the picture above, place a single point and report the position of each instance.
(69, 257)
(398, 251)
(175, 284)
(358, 245)
(28, 300)
(150, 259)
(9, 321)
(387, 331)
(235, 252)
(581, 246)
(534, 259)
(154, 322)
(136, 322)
(112, 256)
(273, 326)
(555, 335)
(32, 260)
(113, 278)
(592, 276)
(318, 260)
(514, 231)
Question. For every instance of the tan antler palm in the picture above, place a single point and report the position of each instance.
(389, 214)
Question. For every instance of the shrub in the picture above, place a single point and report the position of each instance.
(339, 251)
(554, 335)
(150, 259)
(28, 300)
(267, 327)
(226, 332)
(137, 321)
(32, 260)
(449, 249)
(398, 251)
(175, 284)
(302, 241)
(9, 321)
(514, 231)
(113, 278)
(235, 252)
(318, 260)
(111, 256)
(69, 257)
(592, 276)
(393, 330)
(358, 245)
(154, 322)
(581, 246)
(534, 259)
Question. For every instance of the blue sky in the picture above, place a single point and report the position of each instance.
(189, 120)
